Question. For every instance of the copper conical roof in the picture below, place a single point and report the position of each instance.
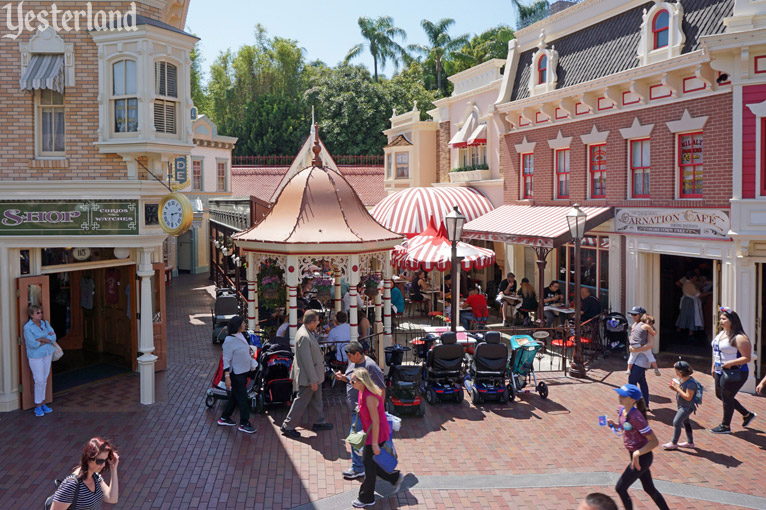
(318, 206)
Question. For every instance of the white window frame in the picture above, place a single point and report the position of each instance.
(39, 110)
(396, 165)
(590, 171)
(127, 97)
(201, 162)
(226, 179)
(524, 196)
(164, 101)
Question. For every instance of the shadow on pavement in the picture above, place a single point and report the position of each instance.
(714, 457)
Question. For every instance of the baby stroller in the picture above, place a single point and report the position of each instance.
(225, 308)
(442, 377)
(485, 379)
(402, 383)
(218, 390)
(273, 384)
(520, 366)
(616, 330)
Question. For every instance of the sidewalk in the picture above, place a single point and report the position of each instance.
(533, 453)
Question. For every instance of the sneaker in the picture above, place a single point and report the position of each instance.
(291, 433)
(47, 409)
(745, 421)
(686, 445)
(359, 504)
(246, 428)
(670, 446)
(398, 484)
(657, 372)
(321, 426)
(721, 429)
(226, 422)
(350, 474)
(39, 411)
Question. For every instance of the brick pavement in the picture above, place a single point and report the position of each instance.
(174, 456)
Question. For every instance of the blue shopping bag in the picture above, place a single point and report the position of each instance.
(386, 459)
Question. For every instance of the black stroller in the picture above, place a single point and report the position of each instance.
(273, 384)
(225, 308)
(616, 328)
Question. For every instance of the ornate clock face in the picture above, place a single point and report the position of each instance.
(172, 214)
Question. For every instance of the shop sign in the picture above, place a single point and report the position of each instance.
(70, 217)
(697, 223)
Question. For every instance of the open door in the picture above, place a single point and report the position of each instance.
(32, 290)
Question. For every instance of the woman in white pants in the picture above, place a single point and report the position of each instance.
(39, 338)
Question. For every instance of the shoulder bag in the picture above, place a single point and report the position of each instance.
(357, 440)
(57, 483)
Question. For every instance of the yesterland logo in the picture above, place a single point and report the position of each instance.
(19, 19)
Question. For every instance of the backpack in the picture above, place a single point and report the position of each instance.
(698, 393)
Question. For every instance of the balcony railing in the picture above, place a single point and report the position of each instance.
(348, 160)
(236, 220)
(539, 10)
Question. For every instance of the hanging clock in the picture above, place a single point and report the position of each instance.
(176, 214)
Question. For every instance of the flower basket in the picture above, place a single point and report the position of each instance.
(371, 292)
(324, 288)
(371, 284)
(270, 293)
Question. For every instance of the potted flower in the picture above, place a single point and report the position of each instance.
(323, 285)
(371, 284)
(270, 286)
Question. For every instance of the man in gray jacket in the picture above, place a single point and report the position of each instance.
(307, 375)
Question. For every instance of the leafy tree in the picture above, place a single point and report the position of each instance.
(528, 14)
(408, 86)
(198, 90)
(492, 43)
(380, 34)
(441, 46)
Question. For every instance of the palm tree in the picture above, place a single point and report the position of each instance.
(531, 13)
(441, 44)
(380, 34)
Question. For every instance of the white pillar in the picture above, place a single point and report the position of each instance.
(146, 327)
(741, 295)
(293, 279)
(379, 303)
(353, 280)
(387, 285)
(337, 298)
(252, 294)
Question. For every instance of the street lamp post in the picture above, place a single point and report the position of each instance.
(576, 220)
(455, 221)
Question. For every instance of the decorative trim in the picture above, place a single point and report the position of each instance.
(595, 136)
(628, 98)
(646, 52)
(602, 104)
(560, 142)
(581, 111)
(653, 95)
(49, 163)
(565, 114)
(525, 147)
(552, 62)
(695, 84)
(759, 64)
(49, 41)
(540, 121)
(687, 123)
(637, 130)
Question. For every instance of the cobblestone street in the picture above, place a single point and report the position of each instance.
(533, 453)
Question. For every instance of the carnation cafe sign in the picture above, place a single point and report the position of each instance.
(697, 223)
(19, 18)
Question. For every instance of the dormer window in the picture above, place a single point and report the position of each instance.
(660, 29)
(542, 77)
(124, 100)
(166, 97)
(542, 67)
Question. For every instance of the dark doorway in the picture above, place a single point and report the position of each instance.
(686, 326)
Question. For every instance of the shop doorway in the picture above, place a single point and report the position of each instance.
(185, 251)
(93, 314)
(688, 292)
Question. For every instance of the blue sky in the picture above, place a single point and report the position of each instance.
(328, 29)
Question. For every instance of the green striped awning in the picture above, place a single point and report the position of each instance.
(45, 71)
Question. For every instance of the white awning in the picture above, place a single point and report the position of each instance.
(478, 136)
(459, 140)
(45, 71)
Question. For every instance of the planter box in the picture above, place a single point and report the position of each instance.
(471, 175)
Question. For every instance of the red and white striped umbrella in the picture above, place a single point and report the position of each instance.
(432, 250)
(408, 211)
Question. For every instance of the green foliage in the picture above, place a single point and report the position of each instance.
(380, 34)
(528, 14)
(198, 89)
(440, 47)
(468, 168)
(492, 43)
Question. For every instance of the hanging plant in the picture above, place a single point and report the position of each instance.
(324, 287)
(371, 284)
(271, 285)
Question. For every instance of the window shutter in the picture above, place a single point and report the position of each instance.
(159, 116)
(170, 117)
(172, 88)
(159, 82)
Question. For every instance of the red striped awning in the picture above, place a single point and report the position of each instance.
(479, 135)
(544, 226)
(432, 250)
(461, 137)
(408, 211)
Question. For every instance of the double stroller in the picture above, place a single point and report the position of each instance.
(485, 378)
(273, 384)
(442, 372)
(521, 366)
(226, 307)
(218, 391)
(402, 383)
(616, 331)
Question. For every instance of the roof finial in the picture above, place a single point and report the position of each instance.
(317, 161)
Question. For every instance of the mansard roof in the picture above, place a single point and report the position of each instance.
(610, 46)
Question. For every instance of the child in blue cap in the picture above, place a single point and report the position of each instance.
(639, 440)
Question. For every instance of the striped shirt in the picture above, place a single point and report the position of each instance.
(635, 438)
(86, 500)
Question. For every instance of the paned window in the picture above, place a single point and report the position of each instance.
(640, 166)
(402, 165)
(562, 173)
(542, 69)
(124, 100)
(597, 164)
(166, 97)
(660, 29)
(221, 181)
(594, 268)
(50, 123)
(389, 165)
(197, 175)
(690, 164)
(528, 173)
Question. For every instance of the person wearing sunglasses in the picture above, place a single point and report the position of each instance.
(39, 338)
(87, 480)
(732, 352)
